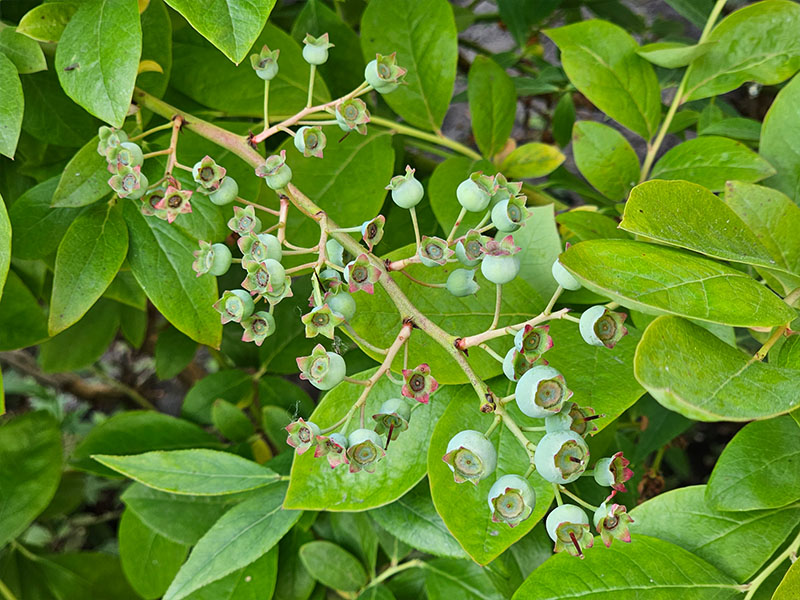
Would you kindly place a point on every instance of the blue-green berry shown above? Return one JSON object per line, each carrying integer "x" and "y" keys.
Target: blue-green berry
{"x": 470, "y": 456}
{"x": 564, "y": 278}
{"x": 602, "y": 327}
{"x": 257, "y": 327}
{"x": 561, "y": 457}
{"x": 275, "y": 171}
{"x": 541, "y": 392}
{"x": 321, "y": 368}
{"x": 364, "y": 451}
{"x": 335, "y": 252}
{"x": 310, "y": 141}
{"x": 315, "y": 50}
{"x": 383, "y": 74}
{"x": 342, "y": 303}
{"x": 234, "y": 305}
{"x": 226, "y": 193}
{"x": 212, "y": 258}
{"x": 461, "y": 282}
{"x": 475, "y": 192}
{"x": 406, "y": 191}
{"x": 508, "y": 215}
{"x": 500, "y": 269}
{"x": 265, "y": 63}
{"x": 568, "y": 526}
{"x": 511, "y": 500}
{"x": 515, "y": 364}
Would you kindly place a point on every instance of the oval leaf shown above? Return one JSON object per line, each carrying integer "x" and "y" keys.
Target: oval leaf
{"x": 532, "y": 160}
{"x": 333, "y": 566}
{"x": 85, "y": 178}
{"x": 492, "y": 104}
{"x": 5, "y": 244}
{"x": 657, "y": 280}
{"x": 605, "y": 158}
{"x": 196, "y": 472}
{"x": 46, "y": 22}
{"x": 12, "y": 104}
{"x": 780, "y": 140}
{"x": 21, "y": 319}
{"x": 673, "y": 55}
{"x": 733, "y": 386}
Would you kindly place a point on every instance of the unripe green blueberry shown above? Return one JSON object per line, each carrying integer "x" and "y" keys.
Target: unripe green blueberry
{"x": 602, "y": 327}
{"x": 406, "y": 191}
{"x": 392, "y": 417}
{"x": 461, "y": 282}
{"x": 383, "y": 74}
{"x": 134, "y": 152}
{"x": 561, "y": 457}
{"x": 508, "y": 215}
{"x": 365, "y": 449}
{"x": 335, "y": 252}
{"x": 234, "y": 305}
{"x": 302, "y": 435}
{"x": 257, "y": 327}
{"x": 515, "y": 364}
{"x": 511, "y": 500}
{"x": 265, "y": 63}
{"x": 472, "y": 196}
{"x": 221, "y": 259}
{"x": 226, "y": 193}
{"x": 564, "y": 278}
{"x": 568, "y": 526}
{"x": 566, "y": 513}
{"x": 321, "y": 368}
{"x": 342, "y": 303}
{"x": 613, "y": 472}
{"x": 315, "y": 50}
{"x": 470, "y": 456}
{"x": 500, "y": 269}
{"x": 310, "y": 141}
{"x": 541, "y": 392}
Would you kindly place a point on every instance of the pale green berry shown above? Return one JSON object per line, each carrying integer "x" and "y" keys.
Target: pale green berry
{"x": 564, "y": 278}
{"x": 461, "y": 282}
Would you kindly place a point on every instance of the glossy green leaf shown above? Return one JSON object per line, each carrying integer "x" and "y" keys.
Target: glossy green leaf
{"x": 752, "y": 472}
{"x": 231, "y": 25}
{"x": 196, "y": 472}
{"x": 295, "y": 583}
{"x": 711, "y": 161}
{"x": 85, "y": 178}
{"x": 230, "y": 421}
{"x": 315, "y": 486}
{"x": 492, "y": 104}
{"x": 687, "y": 215}
{"x": 673, "y": 55}
{"x": 161, "y": 260}
{"x": 25, "y": 53}
{"x": 12, "y": 104}
{"x": 242, "y": 535}
{"x": 5, "y": 244}
{"x": 174, "y": 351}
{"x": 600, "y": 60}
{"x": 368, "y": 160}
{"x": 423, "y": 33}
{"x": 30, "y": 468}
{"x": 531, "y": 160}
{"x": 563, "y": 120}
{"x": 180, "y": 518}
{"x": 376, "y": 592}
{"x": 149, "y": 560}
{"x": 156, "y": 46}
{"x": 674, "y": 353}
{"x": 790, "y": 585}
{"x": 84, "y": 342}
{"x": 88, "y": 258}
{"x": 736, "y": 128}
{"x": 134, "y": 432}
{"x": 645, "y": 568}
{"x": 463, "y": 507}
{"x": 281, "y": 392}
{"x": 253, "y": 582}
{"x": 590, "y": 225}
{"x": 779, "y": 141}
{"x": 21, "y": 319}
{"x": 97, "y": 75}
{"x": 605, "y": 158}
{"x": 377, "y": 319}
{"x": 736, "y": 543}
{"x": 231, "y": 385}
{"x": 755, "y": 43}
{"x": 46, "y": 22}
{"x": 446, "y": 579}
{"x": 333, "y": 566}
{"x": 540, "y": 245}
{"x": 125, "y": 290}
{"x": 658, "y": 280}
{"x": 203, "y": 74}
{"x": 442, "y": 187}
{"x": 414, "y": 520}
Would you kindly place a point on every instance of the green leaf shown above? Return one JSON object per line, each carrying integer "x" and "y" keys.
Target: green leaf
{"x": 659, "y": 280}
{"x": 156, "y": 46}
{"x": 85, "y": 178}
{"x": 30, "y": 468}
{"x": 12, "y": 105}
{"x": 446, "y": 579}
{"x": 695, "y": 11}
{"x": 295, "y": 583}
{"x": 21, "y": 319}
{"x": 752, "y": 472}
{"x": 46, "y": 23}
{"x": 5, "y": 244}
{"x": 736, "y": 543}
{"x": 88, "y": 258}
{"x": 174, "y": 351}
{"x": 790, "y": 585}
{"x": 25, "y": 53}
{"x": 253, "y": 582}
{"x": 711, "y": 161}
{"x": 600, "y": 60}
{"x": 280, "y": 392}
{"x": 770, "y": 54}
{"x": 605, "y": 158}
{"x": 423, "y": 33}
{"x": 367, "y": 160}
{"x": 442, "y": 187}
{"x": 590, "y": 225}
{"x": 149, "y": 560}
{"x": 203, "y": 74}
{"x": 161, "y": 260}
{"x": 97, "y": 74}
{"x": 182, "y": 519}
{"x": 315, "y": 486}
{"x": 779, "y": 141}
{"x": 531, "y": 160}
{"x": 463, "y": 507}
{"x": 377, "y": 592}
{"x": 333, "y": 566}
{"x": 38, "y": 228}
{"x": 492, "y": 104}
{"x": 540, "y": 245}
{"x": 736, "y": 128}
{"x": 82, "y": 343}
{"x": 563, "y": 120}
{"x": 413, "y": 520}
{"x": 125, "y": 290}
{"x": 645, "y": 568}
{"x": 733, "y": 387}
{"x": 242, "y": 535}
{"x": 134, "y": 432}
{"x": 231, "y": 25}
{"x": 673, "y": 55}
{"x": 356, "y": 533}
{"x": 232, "y": 385}
{"x": 196, "y": 472}
{"x": 231, "y": 422}
{"x": 687, "y": 215}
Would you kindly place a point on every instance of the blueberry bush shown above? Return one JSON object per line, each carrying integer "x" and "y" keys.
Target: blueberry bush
{"x": 399, "y": 299}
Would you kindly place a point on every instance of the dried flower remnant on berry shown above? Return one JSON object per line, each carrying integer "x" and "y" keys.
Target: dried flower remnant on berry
{"x": 419, "y": 383}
